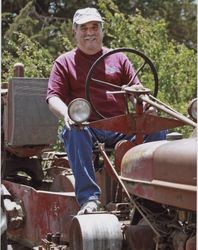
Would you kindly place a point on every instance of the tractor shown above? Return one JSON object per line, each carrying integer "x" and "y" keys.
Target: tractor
{"x": 148, "y": 196}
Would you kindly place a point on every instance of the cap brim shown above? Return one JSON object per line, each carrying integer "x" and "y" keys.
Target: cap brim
{"x": 89, "y": 19}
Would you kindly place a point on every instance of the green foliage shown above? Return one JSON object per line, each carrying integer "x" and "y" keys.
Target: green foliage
{"x": 35, "y": 40}
{"x": 180, "y": 16}
{"x": 51, "y": 33}
{"x": 56, "y": 38}
{"x": 36, "y": 59}
{"x": 23, "y": 23}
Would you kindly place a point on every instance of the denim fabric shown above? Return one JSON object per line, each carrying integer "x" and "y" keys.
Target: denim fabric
{"x": 79, "y": 144}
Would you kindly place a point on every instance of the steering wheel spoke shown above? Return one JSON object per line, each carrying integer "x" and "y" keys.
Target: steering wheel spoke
{"x": 106, "y": 83}
{"x": 140, "y": 68}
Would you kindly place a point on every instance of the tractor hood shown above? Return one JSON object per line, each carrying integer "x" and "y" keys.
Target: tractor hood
{"x": 163, "y": 171}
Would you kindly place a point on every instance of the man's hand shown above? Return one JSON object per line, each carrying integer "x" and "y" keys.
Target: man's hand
{"x": 148, "y": 108}
{"x": 59, "y": 108}
{"x": 151, "y": 110}
{"x": 68, "y": 122}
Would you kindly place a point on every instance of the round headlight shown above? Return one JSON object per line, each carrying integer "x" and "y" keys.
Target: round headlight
{"x": 192, "y": 109}
{"x": 79, "y": 110}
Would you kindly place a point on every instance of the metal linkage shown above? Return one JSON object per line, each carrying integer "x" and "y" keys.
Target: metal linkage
{"x": 167, "y": 109}
{"x": 109, "y": 165}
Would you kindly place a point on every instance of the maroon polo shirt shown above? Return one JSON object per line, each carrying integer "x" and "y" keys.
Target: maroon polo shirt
{"x": 68, "y": 77}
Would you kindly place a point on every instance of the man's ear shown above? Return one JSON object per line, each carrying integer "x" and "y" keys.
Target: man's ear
{"x": 73, "y": 32}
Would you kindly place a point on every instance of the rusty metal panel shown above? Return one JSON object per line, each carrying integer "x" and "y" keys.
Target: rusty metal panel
{"x": 45, "y": 212}
{"x": 137, "y": 163}
{"x": 141, "y": 124}
{"x": 29, "y": 120}
{"x": 163, "y": 171}
{"x": 176, "y": 162}
{"x": 180, "y": 196}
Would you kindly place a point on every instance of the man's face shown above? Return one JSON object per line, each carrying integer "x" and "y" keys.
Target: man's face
{"x": 89, "y": 37}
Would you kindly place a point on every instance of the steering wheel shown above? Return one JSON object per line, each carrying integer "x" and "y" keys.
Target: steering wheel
{"x": 90, "y": 80}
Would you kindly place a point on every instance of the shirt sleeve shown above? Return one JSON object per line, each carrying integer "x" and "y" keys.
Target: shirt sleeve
{"x": 58, "y": 84}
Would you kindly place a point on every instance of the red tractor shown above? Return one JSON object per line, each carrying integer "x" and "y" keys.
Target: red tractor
{"x": 148, "y": 190}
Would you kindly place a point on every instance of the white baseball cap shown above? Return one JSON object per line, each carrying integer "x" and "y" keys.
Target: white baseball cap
{"x": 86, "y": 15}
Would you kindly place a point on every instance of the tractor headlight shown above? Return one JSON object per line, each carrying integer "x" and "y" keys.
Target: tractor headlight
{"x": 192, "y": 109}
{"x": 79, "y": 110}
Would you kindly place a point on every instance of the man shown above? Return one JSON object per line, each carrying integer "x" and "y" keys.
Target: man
{"x": 67, "y": 82}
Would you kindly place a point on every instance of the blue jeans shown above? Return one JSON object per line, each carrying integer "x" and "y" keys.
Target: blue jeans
{"x": 79, "y": 144}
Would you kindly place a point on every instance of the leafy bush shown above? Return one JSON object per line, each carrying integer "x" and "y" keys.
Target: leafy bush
{"x": 36, "y": 59}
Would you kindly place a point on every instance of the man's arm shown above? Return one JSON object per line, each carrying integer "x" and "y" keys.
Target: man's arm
{"x": 59, "y": 109}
